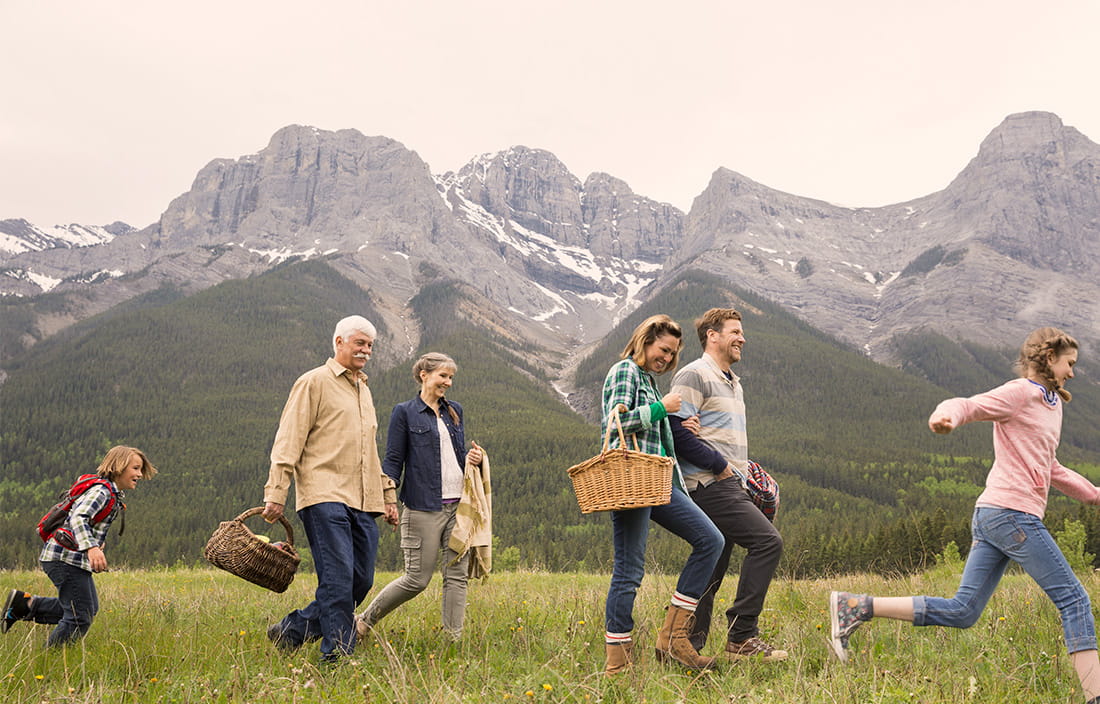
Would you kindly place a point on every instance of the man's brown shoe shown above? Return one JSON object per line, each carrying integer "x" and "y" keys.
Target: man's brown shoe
{"x": 756, "y": 649}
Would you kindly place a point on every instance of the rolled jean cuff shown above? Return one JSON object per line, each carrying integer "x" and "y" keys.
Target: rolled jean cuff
{"x": 919, "y": 611}
{"x": 1080, "y": 645}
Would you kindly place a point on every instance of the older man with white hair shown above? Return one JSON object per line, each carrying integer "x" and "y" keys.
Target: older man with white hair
{"x": 326, "y": 444}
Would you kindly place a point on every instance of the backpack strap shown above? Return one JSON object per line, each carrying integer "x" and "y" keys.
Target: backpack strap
{"x": 87, "y": 481}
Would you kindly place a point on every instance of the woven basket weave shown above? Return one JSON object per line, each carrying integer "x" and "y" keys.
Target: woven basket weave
{"x": 620, "y": 478}
{"x": 237, "y": 550}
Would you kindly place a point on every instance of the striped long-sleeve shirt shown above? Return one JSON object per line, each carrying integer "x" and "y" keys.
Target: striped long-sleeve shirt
{"x": 720, "y": 404}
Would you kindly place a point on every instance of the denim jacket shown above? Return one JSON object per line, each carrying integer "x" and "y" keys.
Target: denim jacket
{"x": 412, "y": 448}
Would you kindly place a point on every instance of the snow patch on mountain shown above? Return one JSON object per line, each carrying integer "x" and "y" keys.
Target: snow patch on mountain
{"x": 48, "y": 283}
{"x": 278, "y": 256}
{"x": 632, "y": 275}
{"x": 18, "y": 236}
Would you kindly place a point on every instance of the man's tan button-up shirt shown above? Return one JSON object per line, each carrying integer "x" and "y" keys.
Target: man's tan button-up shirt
{"x": 326, "y": 442}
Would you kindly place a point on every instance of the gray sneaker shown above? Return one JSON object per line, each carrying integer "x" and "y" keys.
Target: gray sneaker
{"x": 846, "y": 612}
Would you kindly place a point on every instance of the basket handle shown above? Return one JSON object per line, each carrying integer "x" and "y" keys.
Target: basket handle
{"x": 282, "y": 519}
{"x": 618, "y": 424}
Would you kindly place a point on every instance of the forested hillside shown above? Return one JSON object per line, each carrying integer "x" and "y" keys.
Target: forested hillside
{"x": 199, "y": 383}
{"x": 864, "y": 483}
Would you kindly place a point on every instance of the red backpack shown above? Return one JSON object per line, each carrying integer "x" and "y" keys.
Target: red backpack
{"x": 51, "y": 525}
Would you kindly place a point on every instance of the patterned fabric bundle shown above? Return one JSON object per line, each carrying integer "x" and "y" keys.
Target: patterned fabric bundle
{"x": 762, "y": 489}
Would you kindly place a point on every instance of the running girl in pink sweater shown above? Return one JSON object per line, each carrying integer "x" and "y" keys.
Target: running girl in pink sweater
{"x": 1007, "y": 523}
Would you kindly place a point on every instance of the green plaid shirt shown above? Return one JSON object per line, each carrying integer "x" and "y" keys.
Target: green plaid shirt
{"x": 629, "y": 385}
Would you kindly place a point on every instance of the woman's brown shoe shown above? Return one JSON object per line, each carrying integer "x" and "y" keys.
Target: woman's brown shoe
{"x": 673, "y": 642}
{"x": 620, "y": 657}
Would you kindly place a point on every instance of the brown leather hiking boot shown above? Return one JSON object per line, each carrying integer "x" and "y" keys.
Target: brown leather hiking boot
{"x": 620, "y": 657}
{"x": 756, "y": 649}
{"x": 673, "y": 642}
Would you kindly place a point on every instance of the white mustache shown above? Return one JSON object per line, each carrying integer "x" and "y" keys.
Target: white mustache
{"x": 362, "y": 355}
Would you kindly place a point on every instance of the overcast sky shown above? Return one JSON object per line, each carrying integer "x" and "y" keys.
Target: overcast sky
{"x": 108, "y": 109}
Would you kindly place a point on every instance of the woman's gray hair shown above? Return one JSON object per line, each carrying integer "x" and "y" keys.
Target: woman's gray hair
{"x": 352, "y": 324}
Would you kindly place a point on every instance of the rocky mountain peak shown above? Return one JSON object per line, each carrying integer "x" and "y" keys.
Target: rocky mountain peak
{"x": 306, "y": 182}
{"x": 622, "y": 224}
{"x": 1005, "y": 246}
{"x": 530, "y": 187}
{"x": 1033, "y": 193}
{"x": 18, "y": 236}
{"x": 1027, "y": 133}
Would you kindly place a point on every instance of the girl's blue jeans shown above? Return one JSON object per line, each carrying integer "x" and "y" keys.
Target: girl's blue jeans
{"x": 1001, "y": 535}
{"x": 631, "y": 530}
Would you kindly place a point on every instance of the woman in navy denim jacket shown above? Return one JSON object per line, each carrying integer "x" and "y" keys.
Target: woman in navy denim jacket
{"x": 426, "y": 456}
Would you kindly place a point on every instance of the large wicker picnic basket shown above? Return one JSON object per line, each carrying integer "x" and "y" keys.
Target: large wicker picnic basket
{"x": 620, "y": 478}
{"x": 236, "y": 549}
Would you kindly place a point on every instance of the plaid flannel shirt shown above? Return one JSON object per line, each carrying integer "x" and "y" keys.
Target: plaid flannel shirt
{"x": 87, "y": 534}
{"x": 629, "y": 385}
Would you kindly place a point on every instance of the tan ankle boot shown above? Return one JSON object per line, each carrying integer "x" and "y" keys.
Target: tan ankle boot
{"x": 620, "y": 657}
{"x": 673, "y": 642}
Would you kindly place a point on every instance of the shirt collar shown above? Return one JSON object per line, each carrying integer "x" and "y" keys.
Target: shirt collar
{"x": 718, "y": 370}
{"x": 338, "y": 369}
{"x": 425, "y": 407}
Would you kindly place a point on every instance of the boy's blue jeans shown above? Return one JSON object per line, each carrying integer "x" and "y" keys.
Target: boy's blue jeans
{"x": 1001, "y": 535}
{"x": 631, "y": 530}
{"x": 74, "y": 607}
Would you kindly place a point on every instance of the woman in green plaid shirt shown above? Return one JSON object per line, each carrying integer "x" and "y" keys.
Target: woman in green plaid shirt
{"x": 654, "y": 348}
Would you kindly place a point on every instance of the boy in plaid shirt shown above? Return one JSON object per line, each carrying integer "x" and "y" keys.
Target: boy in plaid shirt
{"x": 70, "y": 570}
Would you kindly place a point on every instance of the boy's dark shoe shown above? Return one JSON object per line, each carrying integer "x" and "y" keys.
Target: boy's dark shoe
{"x": 16, "y": 608}
{"x": 276, "y": 635}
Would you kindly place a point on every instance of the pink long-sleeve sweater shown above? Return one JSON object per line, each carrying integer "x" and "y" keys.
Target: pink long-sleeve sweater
{"x": 1026, "y": 431}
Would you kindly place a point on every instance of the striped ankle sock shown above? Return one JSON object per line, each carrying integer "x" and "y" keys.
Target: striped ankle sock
{"x": 616, "y": 638}
{"x": 684, "y": 602}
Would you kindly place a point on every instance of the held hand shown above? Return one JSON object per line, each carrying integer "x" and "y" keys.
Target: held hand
{"x": 476, "y": 454}
{"x": 272, "y": 512}
{"x": 97, "y": 559}
{"x": 391, "y": 515}
{"x": 671, "y": 403}
{"x": 941, "y": 425}
{"x": 691, "y": 424}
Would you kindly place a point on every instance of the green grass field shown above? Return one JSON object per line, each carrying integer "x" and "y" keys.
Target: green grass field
{"x": 198, "y": 635}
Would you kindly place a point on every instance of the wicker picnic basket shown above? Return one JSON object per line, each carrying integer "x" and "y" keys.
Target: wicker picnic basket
{"x": 237, "y": 550}
{"x": 620, "y": 478}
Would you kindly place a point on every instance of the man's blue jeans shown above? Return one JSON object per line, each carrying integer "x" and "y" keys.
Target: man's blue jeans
{"x": 344, "y": 543}
{"x": 631, "y": 530}
{"x": 74, "y": 607}
{"x": 1000, "y": 535}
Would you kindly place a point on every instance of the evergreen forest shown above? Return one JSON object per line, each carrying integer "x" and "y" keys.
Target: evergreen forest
{"x": 199, "y": 382}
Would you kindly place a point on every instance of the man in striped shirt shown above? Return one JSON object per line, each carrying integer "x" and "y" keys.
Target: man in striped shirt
{"x": 713, "y": 462}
